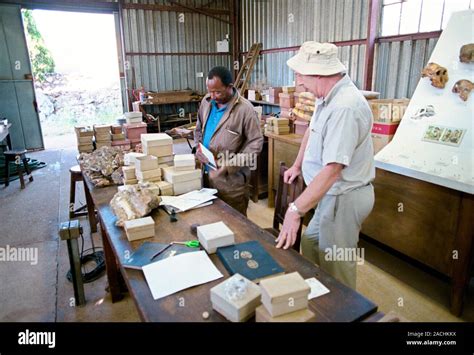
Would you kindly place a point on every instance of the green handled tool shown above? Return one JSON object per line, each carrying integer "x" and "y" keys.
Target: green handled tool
{"x": 189, "y": 244}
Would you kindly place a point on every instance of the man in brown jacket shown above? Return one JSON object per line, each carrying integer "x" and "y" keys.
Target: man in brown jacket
{"x": 228, "y": 126}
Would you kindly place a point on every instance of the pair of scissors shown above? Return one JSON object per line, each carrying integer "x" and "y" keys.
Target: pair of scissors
{"x": 189, "y": 244}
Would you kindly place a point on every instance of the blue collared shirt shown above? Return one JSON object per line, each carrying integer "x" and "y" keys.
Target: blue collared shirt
{"x": 214, "y": 118}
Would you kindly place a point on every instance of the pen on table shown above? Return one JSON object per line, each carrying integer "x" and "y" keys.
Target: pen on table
{"x": 161, "y": 251}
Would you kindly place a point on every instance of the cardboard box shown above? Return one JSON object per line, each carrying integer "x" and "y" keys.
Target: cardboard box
{"x": 180, "y": 188}
{"x": 174, "y": 176}
{"x": 140, "y": 228}
{"x": 236, "y": 309}
{"x": 215, "y": 235}
{"x": 284, "y": 294}
{"x": 301, "y": 316}
{"x": 380, "y": 141}
{"x": 148, "y": 162}
{"x": 388, "y": 110}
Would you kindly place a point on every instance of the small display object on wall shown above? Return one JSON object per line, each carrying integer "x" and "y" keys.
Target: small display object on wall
{"x": 435, "y": 141}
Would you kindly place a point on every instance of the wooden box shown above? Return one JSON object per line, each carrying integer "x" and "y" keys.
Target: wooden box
{"x": 183, "y": 187}
{"x": 301, "y": 127}
{"x": 236, "y": 309}
{"x": 275, "y": 91}
{"x": 156, "y": 140}
{"x": 129, "y": 172}
{"x": 284, "y": 294}
{"x": 148, "y": 162}
{"x": 159, "y": 151}
{"x": 133, "y": 117}
{"x": 215, "y": 235}
{"x": 254, "y": 95}
{"x": 149, "y": 175}
{"x": 289, "y": 89}
{"x": 166, "y": 189}
{"x": 130, "y": 158}
{"x": 287, "y": 100}
{"x": 166, "y": 159}
{"x": 140, "y": 228}
{"x": 301, "y": 316}
{"x": 174, "y": 176}
{"x": 133, "y": 131}
{"x": 183, "y": 162}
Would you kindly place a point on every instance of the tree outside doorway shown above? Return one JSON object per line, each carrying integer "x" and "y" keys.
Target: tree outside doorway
{"x": 75, "y": 69}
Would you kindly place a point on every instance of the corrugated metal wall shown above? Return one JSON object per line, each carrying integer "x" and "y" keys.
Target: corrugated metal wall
{"x": 287, "y": 23}
{"x": 147, "y": 31}
{"x": 399, "y": 65}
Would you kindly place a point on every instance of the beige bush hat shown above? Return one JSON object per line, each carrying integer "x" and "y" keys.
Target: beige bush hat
{"x": 316, "y": 58}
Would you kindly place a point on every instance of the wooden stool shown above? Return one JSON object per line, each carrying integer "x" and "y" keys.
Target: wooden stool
{"x": 16, "y": 156}
{"x": 76, "y": 176}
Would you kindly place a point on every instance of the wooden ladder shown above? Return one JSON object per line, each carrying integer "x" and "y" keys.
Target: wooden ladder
{"x": 245, "y": 72}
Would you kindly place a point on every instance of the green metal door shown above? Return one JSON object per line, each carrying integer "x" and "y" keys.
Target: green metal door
{"x": 17, "y": 96}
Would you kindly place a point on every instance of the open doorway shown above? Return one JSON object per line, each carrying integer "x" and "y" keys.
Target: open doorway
{"x": 75, "y": 67}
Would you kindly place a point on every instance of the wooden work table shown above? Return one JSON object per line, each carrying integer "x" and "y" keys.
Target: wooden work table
{"x": 342, "y": 304}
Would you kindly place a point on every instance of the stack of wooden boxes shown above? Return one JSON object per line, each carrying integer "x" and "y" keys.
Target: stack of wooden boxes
{"x": 133, "y": 132}
{"x": 274, "y": 93}
{"x": 287, "y": 98}
{"x": 387, "y": 116}
{"x": 303, "y": 111}
{"x": 183, "y": 181}
{"x": 147, "y": 169}
{"x": 281, "y": 126}
{"x": 129, "y": 176}
{"x": 284, "y": 299}
{"x": 118, "y": 138}
{"x": 103, "y": 137}
{"x": 159, "y": 145}
{"x": 84, "y": 137}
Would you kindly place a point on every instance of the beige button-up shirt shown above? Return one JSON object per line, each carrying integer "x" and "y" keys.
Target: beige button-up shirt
{"x": 340, "y": 132}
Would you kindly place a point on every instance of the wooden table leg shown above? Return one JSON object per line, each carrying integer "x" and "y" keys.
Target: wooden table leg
{"x": 271, "y": 194}
{"x": 463, "y": 253}
{"x": 113, "y": 273}
{"x": 90, "y": 209}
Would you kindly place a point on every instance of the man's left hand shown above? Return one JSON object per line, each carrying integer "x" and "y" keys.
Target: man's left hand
{"x": 289, "y": 230}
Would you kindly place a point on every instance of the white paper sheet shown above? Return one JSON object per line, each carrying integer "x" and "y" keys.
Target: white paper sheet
{"x": 317, "y": 288}
{"x": 190, "y": 200}
{"x": 180, "y": 272}
{"x": 208, "y": 154}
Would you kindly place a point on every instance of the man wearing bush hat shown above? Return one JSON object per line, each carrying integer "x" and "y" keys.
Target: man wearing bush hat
{"x": 336, "y": 161}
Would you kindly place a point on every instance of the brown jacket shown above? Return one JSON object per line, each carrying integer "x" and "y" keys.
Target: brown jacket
{"x": 237, "y": 132}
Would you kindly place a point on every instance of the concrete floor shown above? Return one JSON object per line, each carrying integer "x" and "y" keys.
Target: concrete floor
{"x": 41, "y": 292}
